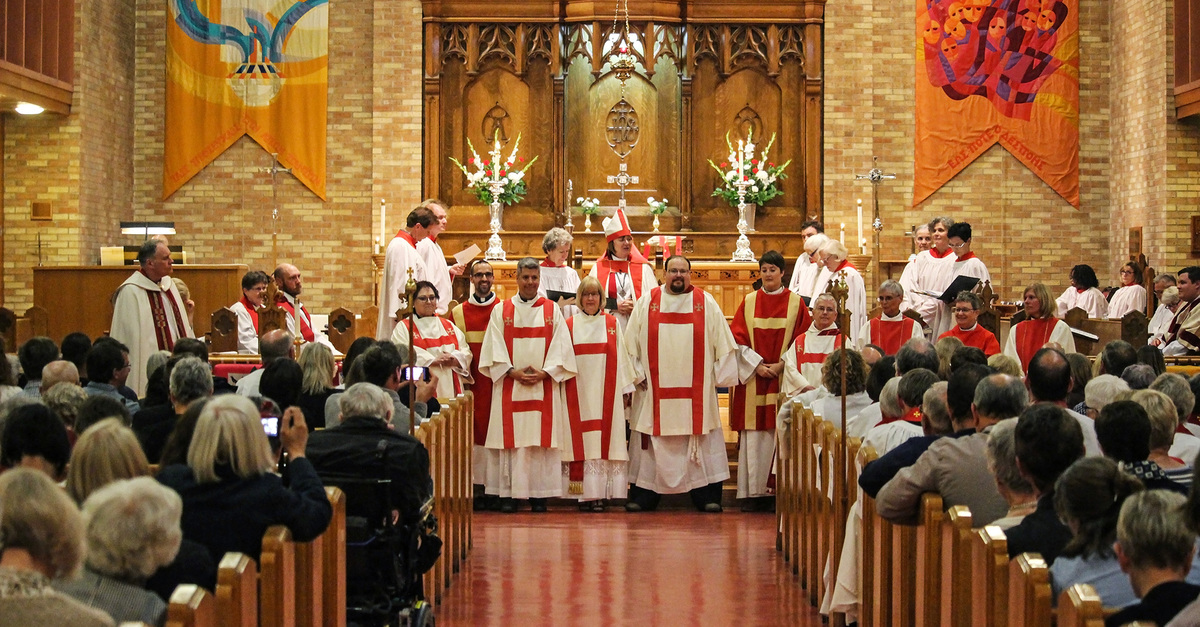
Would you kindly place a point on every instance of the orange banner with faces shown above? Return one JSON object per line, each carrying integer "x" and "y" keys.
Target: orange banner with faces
{"x": 993, "y": 71}
{"x": 246, "y": 67}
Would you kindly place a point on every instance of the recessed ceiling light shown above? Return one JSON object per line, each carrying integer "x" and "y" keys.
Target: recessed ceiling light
{"x": 25, "y": 108}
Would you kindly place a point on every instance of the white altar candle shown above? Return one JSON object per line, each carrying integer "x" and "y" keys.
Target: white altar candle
{"x": 843, "y": 235}
{"x": 860, "y": 237}
{"x": 382, "y": 221}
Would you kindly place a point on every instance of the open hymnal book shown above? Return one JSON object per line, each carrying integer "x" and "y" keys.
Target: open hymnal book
{"x": 959, "y": 284}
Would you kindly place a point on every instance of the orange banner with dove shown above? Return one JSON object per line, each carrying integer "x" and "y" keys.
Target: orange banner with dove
{"x": 993, "y": 71}
{"x": 246, "y": 67}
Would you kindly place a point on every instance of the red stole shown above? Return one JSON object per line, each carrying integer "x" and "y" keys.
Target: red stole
{"x": 769, "y": 341}
{"x": 692, "y": 392}
{"x": 472, "y": 318}
{"x": 890, "y": 335}
{"x": 1032, "y": 334}
{"x": 428, "y": 343}
{"x": 912, "y": 416}
{"x": 816, "y": 358}
{"x": 302, "y": 320}
{"x": 604, "y": 266}
{"x": 544, "y": 405}
{"x": 158, "y": 314}
{"x": 251, "y": 309}
{"x": 404, "y": 235}
{"x": 604, "y": 424}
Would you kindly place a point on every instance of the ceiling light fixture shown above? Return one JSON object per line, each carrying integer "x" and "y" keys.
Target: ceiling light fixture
{"x": 25, "y": 108}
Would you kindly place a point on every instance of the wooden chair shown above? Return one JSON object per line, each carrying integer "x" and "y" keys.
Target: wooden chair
{"x": 277, "y": 595}
{"x": 223, "y": 338}
{"x": 873, "y": 590}
{"x": 1080, "y": 606}
{"x": 367, "y": 322}
{"x": 191, "y": 606}
{"x": 1028, "y": 591}
{"x": 342, "y": 329}
{"x": 989, "y": 578}
{"x": 333, "y": 562}
{"x": 237, "y": 590}
{"x": 1020, "y": 316}
{"x": 956, "y": 568}
{"x": 35, "y": 323}
{"x": 989, "y": 317}
{"x": 929, "y": 558}
{"x": 1135, "y": 328}
{"x": 272, "y": 317}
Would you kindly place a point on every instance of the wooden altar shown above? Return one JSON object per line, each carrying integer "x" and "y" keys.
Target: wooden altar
{"x": 704, "y": 69}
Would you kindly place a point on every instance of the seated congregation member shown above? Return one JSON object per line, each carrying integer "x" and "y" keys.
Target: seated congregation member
{"x": 1116, "y": 356}
{"x": 108, "y": 368}
{"x": 964, "y": 355}
{"x": 199, "y": 350}
{"x": 1185, "y": 446}
{"x": 75, "y": 347}
{"x": 281, "y": 383}
{"x": 65, "y": 401}
{"x": 382, "y": 365}
{"x": 1005, "y": 364}
{"x": 966, "y": 327}
{"x": 837, "y": 262}
{"x": 945, "y": 348}
{"x": 230, "y": 494}
{"x": 1049, "y": 381}
{"x": 318, "y": 371}
{"x": 354, "y": 447}
{"x": 871, "y": 354}
{"x": 596, "y": 454}
{"x": 273, "y": 345}
{"x": 437, "y": 343}
{"x": 1038, "y": 329}
{"x": 1098, "y": 393}
{"x": 97, "y": 408}
{"x": 254, "y": 293}
{"x": 1183, "y": 333}
{"x": 1084, "y": 293}
{"x": 1163, "y": 425}
{"x": 858, "y": 424}
{"x": 1048, "y": 441}
{"x": 33, "y": 437}
{"x": 132, "y": 530}
{"x": 830, "y": 407}
{"x": 917, "y": 353}
{"x": 1139, "y": 376}
{"x": 1123, "y": 428}
{"x": 1155, "y": 547}
{"x": 108, "y": 452}
{"x": 43, "y": 540}
{"x": 1088, "y": 498}
{"x": 1168, "y": 304}
{"x": 955, "y": 466}
{"x": 1081, "y": 373}
{"x": 891, "y": 329}
{"x": 158, "y": 382}
{"x": 809, "y": 267}
{"x": 924, "y": 422}
{"x": 557, "y": 273}
{"x": 1002, "y": 462}
{"x": 8, "y": 375}
{"x": 1131, "y": 296}
{"x": 59, "y": 371}
{"x": 803, "y": 360}
{"x": 1152, "y": 357}
{"x": 191, "y": 381}
{"x": 33, "y": 355}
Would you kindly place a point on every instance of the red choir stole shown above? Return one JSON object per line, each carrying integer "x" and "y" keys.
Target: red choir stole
{"x": 574, "y": 449}
{"x": 303, "y": 320}
{"x": 692, "y": 392}
{"x": 473, "y": 319}
{"x": 816, "y": 358}
{"x": 544, "y": 405}
{"x": 1032, "y": 334}
{"x": 158, "y": 314}
{"x": 430, "y": 343}
{"x": 251, "y": 309}
{"x": 890, "y": 335}
{"x": 912, "y": 416}
{"x": 768, "y": 324}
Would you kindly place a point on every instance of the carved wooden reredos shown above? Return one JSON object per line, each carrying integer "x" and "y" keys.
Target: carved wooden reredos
{"x": 704, "y": 68}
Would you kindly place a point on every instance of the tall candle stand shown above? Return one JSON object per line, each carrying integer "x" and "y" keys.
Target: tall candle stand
{"x": 495, "y": 249}
{"x": 742, "y": 252}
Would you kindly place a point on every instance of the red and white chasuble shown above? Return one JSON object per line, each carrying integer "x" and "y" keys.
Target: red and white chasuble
{"x": 434, "y": 337}
{"x": 767, "y": 323}
{"x": 1030, "y": 335}
{"x": 977, "y": 337}
{"x": 805, "y": 359}
{"x": 889, "y": 333}
{"x": 594, "y": 396}
{"x": 472, "y": 319}
{"x": 401, "y": 255}
{"x": 147, "y": 317}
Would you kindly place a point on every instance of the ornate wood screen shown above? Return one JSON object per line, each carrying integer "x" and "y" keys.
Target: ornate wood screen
{"x": 704, "y": 69}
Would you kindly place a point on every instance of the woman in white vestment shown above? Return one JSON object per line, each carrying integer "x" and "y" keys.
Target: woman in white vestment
{"x": 595, "y": 454}
{"x": 808, "y": 267}
{"x": 837, "y": 261}
{"x": 1039, "y": 328}
{"x": 1084, "y": 293}
{"x": 557, "y": 274}
{"x": 1167, "y": 306}
{"x": 254, "y": 289}
{"x": 440, "y": 346}
{"x": 1131, "y": 296}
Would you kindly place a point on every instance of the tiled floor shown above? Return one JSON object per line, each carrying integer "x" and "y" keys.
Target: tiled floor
{"x": 664, "y": 568}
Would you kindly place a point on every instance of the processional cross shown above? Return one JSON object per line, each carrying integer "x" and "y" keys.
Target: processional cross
{"x": 876, "y": 176}
{"x": 623, "y": 179}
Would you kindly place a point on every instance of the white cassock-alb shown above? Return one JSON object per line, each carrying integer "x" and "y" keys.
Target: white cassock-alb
{"x": 401, "y": 255}
{"x": 1090, "y": 300}
{"x": 856, "y": 297}
{"x": 595, "y": 453}
{"x": 434, "y": 337}
{"x": 524, "y": 460}
{"x": 1126, "y": 299}
{"x": 1159, "y": 323}
{"x": 308, "y": 331}
{"x": 933, "y": 273}
{"x": 147, "y": 317}
{"x": 247, "y": 319}
{"x": 682, "y": 350}
{"x": 804, "y": 360}
{"x": 436, "y": 271}
{"x": 559, "y": 279}
{"x": 804, "y": 276}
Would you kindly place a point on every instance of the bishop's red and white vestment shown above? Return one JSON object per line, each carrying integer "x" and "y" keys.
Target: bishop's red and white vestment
{"x": 624, "y": 279}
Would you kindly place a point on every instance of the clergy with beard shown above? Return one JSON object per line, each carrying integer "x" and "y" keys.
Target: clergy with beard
{"x": 891, "y": 329}
{"x": 401, "y": 256}
{"x": 966, "y": 326}
{"x": 472, "y": 319}
{"x": 766, "y": 323}
{"x": 623, "y": 272}
{"x": 148, "y": 314}
{"x": 678, "y": 444}
{"x": 299, "y": 321}
{"x": 933, "y": 271}
{"x": 527, "y": 354}
{"x": 1183, "y": 334}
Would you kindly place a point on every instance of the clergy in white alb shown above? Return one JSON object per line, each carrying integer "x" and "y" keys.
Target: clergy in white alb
{"x": 933, "y": 271}
{"x": 148, "y": 313}
{"x": 595, "y": 453}
{"x": 1168, "y": 304}
{"x": 908, "y": 277}
{"x": 1040, "y": 327}
{"x": 437, "y": 271}
{"x": 299, "y": 320}
{"x": 527, "y": 354}
{"x": 891, "y": 329}
{"x": 1084, "y": 293}
{"x": 838, "y": 266}
{"x": 1183, "y": 333}
{"x": 804, "y": 359}
{"x": 1131, "y": 296}
{"x": 254, "y": 291}
{"x": 472, "y": 318}
{"x": 766, "y": 323}
{"x": 437, "y": 343}
{"x": 557, "y": 274}
{"x": 808, "y": 267}
{"x": 401, "y": 257}
{"x": 623, "y": 272}
{"x": 682, "y": 350}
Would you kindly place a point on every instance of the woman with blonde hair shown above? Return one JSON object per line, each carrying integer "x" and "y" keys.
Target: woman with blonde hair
{"x": 1039, "y": 328}
{"x": 106, "y": 452}
{"x": 318, "y": 376}
{"x": 1163, "y": 423}
{"x": 945, "y": 348}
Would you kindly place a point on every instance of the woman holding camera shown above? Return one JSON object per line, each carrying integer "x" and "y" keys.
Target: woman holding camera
{"x": 438, "y": 344}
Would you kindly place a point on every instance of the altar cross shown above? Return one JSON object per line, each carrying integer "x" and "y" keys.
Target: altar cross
{"x": 876, "y": 176}
{"x": 623, "y": 179}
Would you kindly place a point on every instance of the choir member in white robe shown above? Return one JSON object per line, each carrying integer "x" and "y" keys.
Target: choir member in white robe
{"x": 965, "y": 261}
{"x": 804, "y": 360}
{"x": 595, "y": 452}
{"x": 148, "y": 312}
{"x": 678, "y": 443}
{"x": 557, "y": 274}
{"x": 765, "y": 325}
{"x": 837, "y": 264}
{"x": 437, "y": 271}
{"x": 625, "y": 274}
{"x": 299, "y": 320}
{"x": 932, "y": 274}
{"x": 808, "y": 267}
{"x": 1131, "y": 296}
{"x": 437, "y": 343}
{"x": 401, "y": 256}
{"x": 1183, "y": 334}
{"x": 1084, "y": 293}
{"x": 254, "y": 291}
{"x": 527, "y": 354}
{"x": 892, "y": 328}
{"x": 1168, "y": 304}
{"x": 908, "y": 277}
{"x": 472, "y": 318}
{"x": 1039, "y": 328}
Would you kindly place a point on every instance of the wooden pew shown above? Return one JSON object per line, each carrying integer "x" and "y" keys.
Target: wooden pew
{"x": 873, "y": 590}
{"x": 845, "y": 496}
{"x": 956, "y": 568}
{"x": 1028, "y": 591}
{"x": 784, "y": 491}
{"x": 277, "y": 595}
{"x": 333, "y": 562}
{"x": 191, "y": 606}
{"x": 237, "y": 591}
{"x": 810, "y": 508}
{"x": 309, "y": 582}
{"x": 826, "y": 473}
{"x": 929, "y": 559}
{"x": 989, "y": 577}
{"x": 467, "y": 453}
{"x": 903, "y": 574}
{"x": 1132, "y": 327}
{"x": 35, "y": 323}
{"x": 1080, "y": 606}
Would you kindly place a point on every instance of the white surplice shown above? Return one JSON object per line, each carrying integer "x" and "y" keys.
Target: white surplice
{"x": 797, "y": 375}
{"x": 560, "y": 279}
{"x": 934, "y": 275}
{"x": 247, "y": 343}
{"x": 436, "y": 271}
{"x": 401, "y": 255}
{"x": 856, "y": 297}
{"x": 1090, "y": 300}
{"x": 133, "y": 322}
{"x": 435, "y": 341}
{"x": 1126, "y": 299}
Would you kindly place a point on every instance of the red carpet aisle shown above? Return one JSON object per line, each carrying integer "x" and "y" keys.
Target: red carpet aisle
{"x": 667, "y": 568}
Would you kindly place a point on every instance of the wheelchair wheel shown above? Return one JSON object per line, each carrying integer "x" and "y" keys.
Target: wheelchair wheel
{"x": 419, "y": 615}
